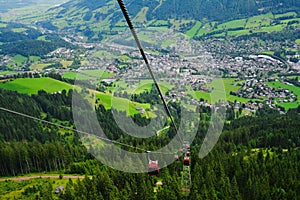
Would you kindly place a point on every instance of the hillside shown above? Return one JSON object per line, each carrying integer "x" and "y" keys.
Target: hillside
{"x": 97, "y": 19}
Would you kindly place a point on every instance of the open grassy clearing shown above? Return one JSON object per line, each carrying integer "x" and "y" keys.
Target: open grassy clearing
{"x": 122, "y": 104}
{"x": 88, "y": 74}
{"x": 255, "y": 24}
{"x": 160, "y": 23}
{"x": 34, "y": 58}
{"x": 240, "y": 23}
{"x": 33, "y": 85}
{"x": 297, "y": 41}
{"x": 7, "y": 72}
{"x": 19, "y": 30}
{"x": 13, "y": 189}
{"x": 239, "y": 32}
{"x": 141, "y": 16}
{"x": 288, "y": 14}
{"x": 19, "y": 59}
{"x": 66, "y": 63}
{"x": 168, "y": 42}
{"x": 142, "y": 86}
{"x": 278, "y": 84}
{"x": 269, "y": 29}
{"x": 2, "y": 25}
{"x": 221, "y": 90}
{"x": 74, "y": 75}
{"x": 292, "y": 88}
{"x": 192, "y": 32}
{"x": 39, "y": 67}
{"x": 103, "y": 54}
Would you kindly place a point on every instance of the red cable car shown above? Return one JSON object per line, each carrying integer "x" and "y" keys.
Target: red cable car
{"x": 186, "y": 161}
{"x": 153, "y": 168}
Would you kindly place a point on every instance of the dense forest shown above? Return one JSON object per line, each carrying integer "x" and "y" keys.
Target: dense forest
{"x": 255, "y": 158}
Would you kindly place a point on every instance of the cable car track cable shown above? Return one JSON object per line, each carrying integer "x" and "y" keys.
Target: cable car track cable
{"x": 132, "y": 29}
{"x": 78, "y": 131}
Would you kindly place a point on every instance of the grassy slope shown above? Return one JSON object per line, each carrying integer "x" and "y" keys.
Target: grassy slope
{"x": 294, "y": 89}
{"x": 255, "y": 24}
{"x": 33, "y": 85}
{"x": 222, "y": 88}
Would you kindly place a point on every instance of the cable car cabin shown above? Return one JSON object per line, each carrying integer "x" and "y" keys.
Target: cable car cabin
{"x": 188, "y": 153}
{"x": 176, "y": 157}
{"x": 186, "y": 161}
{"x": 153, "y": 167}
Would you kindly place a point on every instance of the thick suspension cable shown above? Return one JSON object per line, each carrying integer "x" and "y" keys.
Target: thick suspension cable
{"x": 130, "y": 24}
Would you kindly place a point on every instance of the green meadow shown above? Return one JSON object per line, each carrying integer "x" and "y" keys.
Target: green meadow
{"x": 11, "y": 189}
{"x": 142, "y": 86}
{"x": 33, "y": 85}
{"x": 87, "y": 74}
{"x": 221, "y": 91}
{"x": 122, "y": 104}
{"x": 39, "y": 66}
{"x": 254, "y": 24}
{"x": 192, "y": 32}
{"x": 295, "y": 90}
{"x": 19, "y": 59}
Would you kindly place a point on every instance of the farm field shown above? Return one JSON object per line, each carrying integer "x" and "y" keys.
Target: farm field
{"x": 292, "y": 88}
{"x": 87, "y": 74}
{"x": 7, "y": 72}
{"x": 142, "y": 86}
{"x": 19, "y": 59}
{"x": 11, "y": 188}
{"x": 39, "y": 67}
{"x": 122, "y": 104}
{"x": 221, "y": 89}
{"x": 33, "y": 85}
{"x": 255, "y": 24}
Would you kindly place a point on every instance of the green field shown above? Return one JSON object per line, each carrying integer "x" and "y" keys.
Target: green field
{"x": 12, "y": 189}
{"x": 288, "y": 14}
{"x": 88, "y": 74}
{"x": 297, "y": 41}
{"x": 192, "y": 32}
{"x": 221, "y": 89}
{"x": 19, "y": 30}
{"x": 66, "y": 63}
{"x": 254, "y": 24}
{"x": 240, "y": 23}
{"x": 292, "y": 88}
{"x": 278, "y": 84}
{"x": 33, "y": 85}
{"x": 19, "y": 59}
{"x": 122, "y": 104}
{"x": 2, "y": 25}
{"x": 34, "y": 58}
{"x": 7, "y": 72}
{"x": 142, "y": 86}
{"x": 39, "y": 67}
